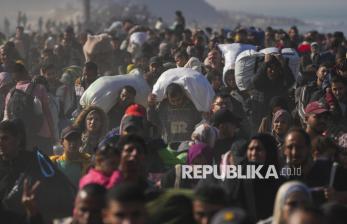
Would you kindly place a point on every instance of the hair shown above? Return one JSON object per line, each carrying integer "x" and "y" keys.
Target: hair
{"x": 132, "y": 139}
{"x": 303, "y": 133}
{"x": 282, "y": 194}
{"x": 212, "y": 74}
{"x": 16, "y": 128}
{"x": 130, "y": 90}
{"x": 46, "y": 67}
{"x": 80, "y": 121}
{"x": 278, "y": 101}
{"x": 181, "y": 54}
{"x": 42, "y": 81}
{"x": 174, "y": 90}
{"x": 210, "y": 193}
{"x": 322, "y": 144}
{"x": 270, "y": 145}
{"x": 94, "y": 190}
{"x": 339, "y": 79}
{"x": 19, "y": 68}
{"x": 125, "y": 193}
{"x": 106, "y": 151}
{"x": 91, "y": 66}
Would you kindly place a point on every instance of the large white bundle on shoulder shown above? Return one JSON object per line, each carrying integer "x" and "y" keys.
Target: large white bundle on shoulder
{"x": 247, "y": 64}
{"x": 270, "y": 50}
{"x": 231, "y": 51}
{"x": 105, "y": 90}
{"x": 293, "y": 59}
{"x": 97, "y": 44}
{"x": 195, "y": 84}
{"x": 138, "y": 38}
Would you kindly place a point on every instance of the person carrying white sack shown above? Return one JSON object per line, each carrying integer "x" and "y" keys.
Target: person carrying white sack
{"x": 175, "y": 116}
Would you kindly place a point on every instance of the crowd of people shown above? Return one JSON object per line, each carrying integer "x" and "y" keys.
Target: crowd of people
{"x": 63, "y": 162}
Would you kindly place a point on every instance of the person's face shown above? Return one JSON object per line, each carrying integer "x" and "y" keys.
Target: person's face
{"x": 280, "y": 126}
{"x": 50, "y": 75}
{"x": 176, "y": 101}
{"x": 295, "y": 149}
{"x": 322, "y": 73}
{"x": 230, "y": 81}
{"x": 110, "y": 164}
{"x": 180, "y": 61}
{"x": 19, "y": 32}
{"x": 90, "y": 74}
{"x": 124, "y": 213}
{"x": 339, "y": 90}
{"x": 9, "y": 145}
{"x": 317, "y": 122}
{"x": 5, "y": 57}
{"x": 256, "y": 152}
{"x": 132, "y": 157}
{"x": 125, "y": 96}
{"x": 216, "y": 82}
{"x": 72, "y": 144}
{"x": 203, "y": 212}
{"x": 272, "y": 72}
{"x": 227, "y": 130}
{"x": 214, "y": 57}
{"x": 87, "y": 209}
{"x": 291, "y": 33}
{"x": 293, "y": 201}
{"x": 220, "y": 103}
{"x": 68, "y": 37}
{"x": 93, "y": 122}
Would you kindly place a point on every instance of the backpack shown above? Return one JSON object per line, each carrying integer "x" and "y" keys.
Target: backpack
{"x": 22, "y": 105}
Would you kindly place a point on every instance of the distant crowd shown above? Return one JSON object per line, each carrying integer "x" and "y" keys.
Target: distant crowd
{"x": 97, "y": 127}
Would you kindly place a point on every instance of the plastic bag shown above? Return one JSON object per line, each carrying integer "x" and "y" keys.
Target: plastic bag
{"x": 104, "y": 91}
{"x": 196, "y": 86}
{"x": 231, "y": 51}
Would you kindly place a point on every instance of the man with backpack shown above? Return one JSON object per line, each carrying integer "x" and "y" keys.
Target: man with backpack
{"x": 29, "y": 102}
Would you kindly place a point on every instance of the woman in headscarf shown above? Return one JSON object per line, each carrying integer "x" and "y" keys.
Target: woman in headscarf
{"x": 256, "y": 195}
{"x": 205, "y": 133}
{"x": 92, "y": 122}
{"x": 291, "y": 195}
{"x": 281, "y": 122}
{"x": 276, "y": 103}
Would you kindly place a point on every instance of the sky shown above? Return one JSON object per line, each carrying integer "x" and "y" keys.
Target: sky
{"x": 326, "y": 12}
{"x": 301, "y": 9}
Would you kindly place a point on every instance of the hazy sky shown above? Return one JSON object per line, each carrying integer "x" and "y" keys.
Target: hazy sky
{"x": 303, "y": 9}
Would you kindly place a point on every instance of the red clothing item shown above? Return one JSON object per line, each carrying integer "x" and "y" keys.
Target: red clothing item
{"x": 97, "y": 177}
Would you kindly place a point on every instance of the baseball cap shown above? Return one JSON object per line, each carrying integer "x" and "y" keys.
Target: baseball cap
{"x": 155, "y": 60}
{"x": 315, "y": 107}
{"x": 230, "y": 216}
{"x": 136, "y": 110}
{"x": 69, "y": 131}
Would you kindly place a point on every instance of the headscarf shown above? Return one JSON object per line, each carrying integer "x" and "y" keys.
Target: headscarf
{"x": 282, "y": 195}
{"x": 282, "y": 114}
{"x": 197, "y": 150}
{"x": 205, "y": 133}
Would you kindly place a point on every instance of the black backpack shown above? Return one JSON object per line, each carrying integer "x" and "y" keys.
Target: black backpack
{"x": 21, "y": 106}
